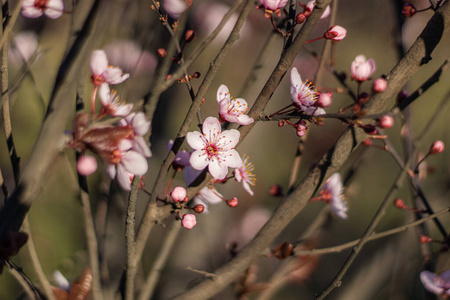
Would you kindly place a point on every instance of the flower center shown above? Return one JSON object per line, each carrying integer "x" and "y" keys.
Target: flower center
{"x": 211, "y": 150}
{"x": 41, "y": 4}
{"x": 96, "y": 80}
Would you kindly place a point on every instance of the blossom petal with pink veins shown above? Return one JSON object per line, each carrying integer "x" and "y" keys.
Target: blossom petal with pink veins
{"x": 247, "y": 188}
{"x": 141, "y": 146}
{"x": 309, "y": 110}
{"x": 125, "y": 145}
{"x": 210, "y": 196}
{"x": 140, "y": 124}
{"x": 218, "y": 170}
{"x": 222, "y": 93}
{"x": 429, "y": 282}
{"x": 115, "y": 75}
{"x": 55, "y": 9}
{"x": 134, "y": 162}
{"x": 244, "y": 120}
{"x": 211, "y": 124}
{"x": 229, "y": 138}
{"x": 233, "y": 159}
{"x": 196, "y": 140}
{"x": 98, "y": 62}
{"x": 122, "y": 110}
{"x": 104, "y": 93}
{"x": 30, "y": 11}
{"x": 124, "y": 177}
{"x": 199, "y": 160}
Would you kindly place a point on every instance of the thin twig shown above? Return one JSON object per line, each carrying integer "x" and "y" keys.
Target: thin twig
{"x": 31, "y": 291}
{"x": 10, "y": 22}
{"x": 130, "y": 225}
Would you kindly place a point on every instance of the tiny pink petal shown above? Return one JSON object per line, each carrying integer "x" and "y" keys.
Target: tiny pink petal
{"x": 55, "y": 9}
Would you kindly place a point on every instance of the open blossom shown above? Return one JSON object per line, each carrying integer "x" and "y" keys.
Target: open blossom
{"x": 361, "y": 68}
{"x": 335, "y": 33}
{"x": 126, "y": 163}
{"x": 140, "y": 126}
{"x": 439, "y": 285}
{"x": 36, "y": 8}
{"x": 111, "y": 102}
{"x": 174, "y": 8}
{"x": 244, "y": 174}
{"x": 103, "y": 72}
{"x": 214, "y": 149}
{"x": 232, "y": 110}
{"x": 310, "y": 6}
{"x": 273, "y": 6}
{"x": 304, "y": 94}
{"x": 332, "y": 193}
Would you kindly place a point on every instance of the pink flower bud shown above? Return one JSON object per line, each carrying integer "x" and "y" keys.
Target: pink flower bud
{"x": 408, "y": 10}
{"x": 436, "y": 147}
{"x": 325, "y": 99}
{"x": 199, "y": 208}
{"x": 232, "y": 202}
{"x": 379, "y": 85}
{"x": 424, "y": 239}
{"x": 178, "y": 194}
{"x": 386, "y": 121}
{"x": 399, "y": 203}
{"x": 189, "y": 36}
{"x": 300, "y": 18}
{"x": 162, "y": 52}
{"x": 86, "y": 165}
{"x": 335, "y": 33}
{"x": 276, "y": 190}
{"x": 188, "y": 221}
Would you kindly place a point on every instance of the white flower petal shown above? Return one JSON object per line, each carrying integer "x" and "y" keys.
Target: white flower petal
{"x": 124, "y": 177}
{"x": 211, "y": 196}
{"x": 114, "y": 75}
{"x": 199, "y": 160}
{"x": 195, "y": 140}
{"x": 104, "y": 93}
{"x": 140, "y": 124}
{"x": 428, "y": 280}
{"x": 211, "y": 125}
{"x": 98, "y": 62}
{"x": 55, "y": 9}
{"x": 222, "y": 93}
{"x": 218, "y": 170}
{"x": 111, "y": 170}
{"x": 233, "y": 159}
{"x": 141, "y": 146}
{"x": 134, "y": 162}
{"x": 229, "y": 138}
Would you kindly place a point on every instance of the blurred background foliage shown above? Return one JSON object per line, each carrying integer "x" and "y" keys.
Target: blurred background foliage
{"x": 386, "y": 269}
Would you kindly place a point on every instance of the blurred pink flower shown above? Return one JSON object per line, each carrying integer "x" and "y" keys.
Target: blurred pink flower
{"x": 25, "y": 46}
{"x": 111, "y": 102}
{"x": 102, "y": 72}
{"x": 437, "y": 147}
{"x": 214, "y": 149}
{"x": 244, "y": 174}
{"x": 130, "y": 57}
{"x": 325, "y": 99}
{"x": 335, "y": 33}
{"x": 86, "y": 165}
{"x": 232, "y": 110}
{"x": 138, "y": 121}
{"x": 127, "y": 163}
{"x": 178, "y": 194}
{"x": 304, "y": 95}
{"x": 36, "y": 8}
{"x": 379, "y": 85}
{"x": 361, "y": 68}
{"x": 332, "y": 193}
{"x": 174, "y": 8}
{"x": 188, "y": 221}
{"x": 310, "y": 6}
{"x": 439, "y": 285}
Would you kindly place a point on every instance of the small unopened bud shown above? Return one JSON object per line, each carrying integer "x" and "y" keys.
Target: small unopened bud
{"x": 188, "y": 221}
{"x": 203, "y": 100}
{"x": 424, "y": 239}
{"x": 379, "y": 85}
{"x": 86, "y": 165}
{"x": 402, "y": 95}
{"x": 162, "y": 52}
{"x": 436, "y": 147}
{"x": 399, "y": 203}
{"x": 300, "y": 18}
{"x": 386, "y": 121}
{"x": 283, "y": 250}
{"x": 232, "y": 202}
{"x": 168, "y": 76}
{"x": 196, "y": 75}
{"x": 408, "y": 10}
{"x": 369, "y": 129}
{"x": 281, "y": 123}
{"x": 325, "y": 99}
{"x": 179, "y": 194}
{"x": 276, "y": 190}
{"x": 367, "y": 142}
{"x": 335, "y": 33}
{"x": 199, "y": 208}
{"x": 189, "y": 36}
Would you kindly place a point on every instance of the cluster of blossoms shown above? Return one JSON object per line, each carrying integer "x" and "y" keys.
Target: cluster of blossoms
{"x": 122, "y": 146}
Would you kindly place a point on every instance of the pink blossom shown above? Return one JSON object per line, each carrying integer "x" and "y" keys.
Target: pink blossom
{"x": 325, "y": 99}
{"x": 36, "y": 8}
{"x": 140, "y": 126}
{"x": 232, "y": 110}
{"x": 379, "y": 85}
{"x": 244, "y": 174}
{"x": 310, "y": 6}
{"x": 386, "y": 121}
{"x": 131, "y": 57}
{"x": 174, "y": 8}
{"x": 437, "y": 147}
{"x": 304, "y": 95}
{"x": 188, "y": 221}
{"x": 127, "y": 163}
{"x": 86, "y": 165}
{"x": 332, "y": 193}
{"x": 214, "y": 149}
{"x": 178, "y": 194}
{"x": 61, "y": 280}
{"x": 335, "y": 33}
{"x": 111, "y": 102}
{"x": 273, "y": 6}
{"x": 439, "y": 285}
{"x": 361, "y": 68}
{"x": 103, "y": 72}
{"x": 232, "y": 202}
{"x": 25, "y": 46}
